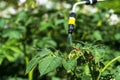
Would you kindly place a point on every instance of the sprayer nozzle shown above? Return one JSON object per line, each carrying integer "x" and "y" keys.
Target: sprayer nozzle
{"x": 71, "y": 23}
{"x": 70, "y": 28}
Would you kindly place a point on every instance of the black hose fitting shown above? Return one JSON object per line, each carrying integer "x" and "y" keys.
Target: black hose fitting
{"x": 73, "y": 15}
{"x": 91, "y": 2}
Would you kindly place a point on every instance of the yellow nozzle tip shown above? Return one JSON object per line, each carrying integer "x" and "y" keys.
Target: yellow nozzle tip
{"x": 71, "y": 20}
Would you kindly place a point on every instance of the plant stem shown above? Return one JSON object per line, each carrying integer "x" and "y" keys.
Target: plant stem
{"x": 99, "y": 75}
{"x": 106, "y": 66}
{"x": 113, "y": 60}
{"x": 91, "y": 71}
{"x": 30, "y": 74}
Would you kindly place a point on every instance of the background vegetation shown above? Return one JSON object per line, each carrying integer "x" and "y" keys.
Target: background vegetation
{"x": 31, "y": 27}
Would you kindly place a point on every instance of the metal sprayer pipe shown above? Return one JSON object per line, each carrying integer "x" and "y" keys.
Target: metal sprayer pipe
{"x": 80, "y": 3}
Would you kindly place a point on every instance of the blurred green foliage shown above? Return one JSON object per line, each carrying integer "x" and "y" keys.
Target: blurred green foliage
{"x": 112, "y": 4}
{"x": 31, "y": 28}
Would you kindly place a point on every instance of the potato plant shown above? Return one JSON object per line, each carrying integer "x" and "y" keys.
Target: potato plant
{"x": 83, "y": 62}
{"x": 33, "y": 39}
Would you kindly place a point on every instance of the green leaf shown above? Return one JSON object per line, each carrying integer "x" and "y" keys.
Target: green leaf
{"x": 9, "y": 56}
{"x": 69, "y": 65}
{"x": 31, "y": 64}
{"x": 66, "y": 25}
{"x": 48, "y": 64}
{"x": 29, "y": 21}
{"x": 1, "y": 59}
{"x": 117, "y": 36}
{"x": 97, "y": 35}
{"x": 108, "y": 4}
{"x": 21, "y": 29}
{"x": 57, "y": 78}
{"x": 12, "y": 34}
{"x": 86, "y": 77}
{"x": 43, "y": 53}
{"x": 44, "y": 25}
{"x": 47, "y": 42}
{"x": 57, "y": 22}
{"x": 30, "y": 4}
{"x": 21, "y": 16}
{"x": 2, "y": 23}
{"x": 116, "y": 73}
{"x": 35, "y": 60}
{"x": 98, "y": 56}
{"x": 16, "y": 50}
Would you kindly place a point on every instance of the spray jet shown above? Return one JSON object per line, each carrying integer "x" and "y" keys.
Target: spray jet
{"x": 72, "y": 16}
